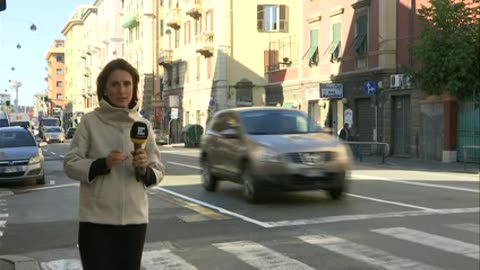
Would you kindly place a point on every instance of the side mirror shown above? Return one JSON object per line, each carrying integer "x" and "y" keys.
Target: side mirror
{"x": 42, "y": 144}
{"x": 231, "y": 133}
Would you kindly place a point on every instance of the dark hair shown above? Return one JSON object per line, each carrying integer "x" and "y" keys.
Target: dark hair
{"x": 117, "y": 64}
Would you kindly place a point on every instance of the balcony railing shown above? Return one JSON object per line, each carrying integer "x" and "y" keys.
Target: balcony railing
{"x": 206, "y": 46}
{"x": 165, "y": 58}
{"x": 174, "y": 18}
{"x": 196, "y": 11}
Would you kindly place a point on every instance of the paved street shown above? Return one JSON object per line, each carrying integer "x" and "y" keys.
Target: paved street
{"x": 395, "y": 216}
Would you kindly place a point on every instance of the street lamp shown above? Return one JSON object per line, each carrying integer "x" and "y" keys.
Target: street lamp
{"x": 15, "y": 85}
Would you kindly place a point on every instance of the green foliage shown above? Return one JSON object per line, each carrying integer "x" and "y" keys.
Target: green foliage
{"x": 449, "y": 48}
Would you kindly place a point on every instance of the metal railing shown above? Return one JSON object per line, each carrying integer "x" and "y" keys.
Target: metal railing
{"x": 359, "y": 151}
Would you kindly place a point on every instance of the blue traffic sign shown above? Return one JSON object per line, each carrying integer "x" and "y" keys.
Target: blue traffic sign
{"x": 212, "y": 103}
{"x": 370, "y": 87}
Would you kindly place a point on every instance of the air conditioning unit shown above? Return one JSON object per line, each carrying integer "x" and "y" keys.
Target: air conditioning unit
{"x": 396, "y": 80}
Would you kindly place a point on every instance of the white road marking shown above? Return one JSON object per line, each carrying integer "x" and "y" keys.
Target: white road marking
{"x": 3, "y": 215}
{"x": 52, "y": 182}
{"x": 360, "y": 176}
{"x": 53, "y": 153}
{"x": 261, "y": 257}
{"x": 211, "y": 206}
{"x": 62, "y": 156}
{"x": 399, "y": 214}
{"x": 184, "y": 165}
{"x": 389, "y": 202}
{"x": 469, "y": 227}
{"x": 1, "y": 233}
{"x": 70, "y": 264}
{"x": 164, "y": 259}
{"x": 363, "y": 253}
{"x": 53, "y": 187}
{"x": 432, "y": 240}
{"x": 2, "y": 223}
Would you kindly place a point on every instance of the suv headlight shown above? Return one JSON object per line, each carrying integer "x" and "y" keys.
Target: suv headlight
{"x": 267, "y": 155}
{"x": 35, "y": 159}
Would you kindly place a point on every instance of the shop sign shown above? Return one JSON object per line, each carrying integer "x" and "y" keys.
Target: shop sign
{"x": 331, "y": 90}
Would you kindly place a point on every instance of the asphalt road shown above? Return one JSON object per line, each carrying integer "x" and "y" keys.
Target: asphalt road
{"x": 389, "y": 219}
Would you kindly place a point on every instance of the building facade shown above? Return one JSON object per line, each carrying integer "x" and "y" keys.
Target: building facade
{"x": 55, "y": 79}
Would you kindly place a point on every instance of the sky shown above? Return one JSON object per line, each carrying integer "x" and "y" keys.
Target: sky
{"x": 29, "y": 61}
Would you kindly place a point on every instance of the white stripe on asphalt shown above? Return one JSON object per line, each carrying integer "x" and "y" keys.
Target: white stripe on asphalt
{"x": 53, "y": 187}
{"x": 3, "y": 215}
{"x": 363, "y": 253}
{"x": 399, "y": 214}
{"x": 432, "y": 240}
{"x": 469, "y": 227}
{"x": 260, "y": 256}
{"x": 164, "y": 259}
{"x": 389, "y": 202}
{"x": 2, "y": 223}
{"x": 184, "y": 165}
{"x": 70, "y": 264}
{"x": 360, "y": 176}
{"x": 211, "y": 206}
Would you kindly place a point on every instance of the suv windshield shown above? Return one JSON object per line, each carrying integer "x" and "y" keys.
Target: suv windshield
{"x": 53, "y": 130}
{"x": 16, "y": 138}
{"x": 268, "y": 122}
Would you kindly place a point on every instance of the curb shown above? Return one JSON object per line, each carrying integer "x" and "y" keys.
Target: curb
{"x": 16, "y": 262}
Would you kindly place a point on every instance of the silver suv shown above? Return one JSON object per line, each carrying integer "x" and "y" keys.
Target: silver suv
{"x": 270, "y": 148}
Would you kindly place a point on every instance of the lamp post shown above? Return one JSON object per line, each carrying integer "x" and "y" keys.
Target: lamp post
{"x": 15, "y": 85}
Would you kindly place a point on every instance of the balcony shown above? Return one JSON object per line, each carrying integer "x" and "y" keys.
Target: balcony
{"x": 205, "y": 47}
{"x": 165, "y": 58}
{"x": 174, "y": 18}
{"x": 196, "y": 11}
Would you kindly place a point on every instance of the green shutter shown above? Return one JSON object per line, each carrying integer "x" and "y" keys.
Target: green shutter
{"x": 313, "y": 42}
{"x": 336, "y": 36}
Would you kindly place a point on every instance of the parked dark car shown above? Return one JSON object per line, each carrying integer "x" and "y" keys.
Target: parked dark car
{"x": 161, "y": 138}
{"x": 21, "y": 158}
{"x": 70, "y": 132}
{"x": 270, "y": 148}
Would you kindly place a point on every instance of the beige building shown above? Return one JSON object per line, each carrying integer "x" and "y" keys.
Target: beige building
{"x": 213, "y": 55}
{"x": 73, "y": 32}
{"x": 140, "y": 27}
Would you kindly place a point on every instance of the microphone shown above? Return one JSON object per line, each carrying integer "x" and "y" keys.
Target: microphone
{"x": 138, "y": 135}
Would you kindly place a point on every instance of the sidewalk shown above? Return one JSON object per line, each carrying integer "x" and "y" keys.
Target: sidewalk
{"x": 417, "y": 165}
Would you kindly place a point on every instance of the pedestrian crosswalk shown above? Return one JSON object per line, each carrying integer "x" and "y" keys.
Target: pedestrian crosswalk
{"x": 358, "y": 251}
{"x": 3, "y": 215}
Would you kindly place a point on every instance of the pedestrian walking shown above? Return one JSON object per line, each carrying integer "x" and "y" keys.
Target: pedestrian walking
{"x": 344, "y": 132}
{"x": 113, "y": 208}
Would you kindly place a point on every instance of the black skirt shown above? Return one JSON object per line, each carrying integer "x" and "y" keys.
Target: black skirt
{"x": 116, "y": 247}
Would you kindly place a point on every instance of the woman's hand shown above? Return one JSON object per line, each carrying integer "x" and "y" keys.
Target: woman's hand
{"x": 115, "y": 157}
{"x": 140, "y": 160}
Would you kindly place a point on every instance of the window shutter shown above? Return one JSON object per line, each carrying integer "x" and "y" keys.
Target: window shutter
{"x": 313, "y": 42}
{"x": 260, "y": 18}
{"x": 283, "y": 18}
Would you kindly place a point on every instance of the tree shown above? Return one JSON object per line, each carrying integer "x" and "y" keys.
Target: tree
{"x": 449, "y": 48}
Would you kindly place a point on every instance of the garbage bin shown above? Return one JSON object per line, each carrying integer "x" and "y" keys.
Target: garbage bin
{"x": 191, "y": 135}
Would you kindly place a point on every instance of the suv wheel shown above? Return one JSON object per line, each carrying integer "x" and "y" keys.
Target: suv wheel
{"x": 40, "y": 181}
{"x": 250, "y": 187}
{"x": 209, "y": 181}
{"x": 337, "y": 191}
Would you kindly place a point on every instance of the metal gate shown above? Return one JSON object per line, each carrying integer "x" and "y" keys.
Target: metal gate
{"x": 401, "y": 125}
{"x": 364, "y": 119}
{"x": 468, "y": 130}
{"x": 432, "y": 132}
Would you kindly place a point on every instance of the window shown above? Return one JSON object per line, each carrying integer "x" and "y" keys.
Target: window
{"x": 187, "y": 117}
{"x": 271, "y": 60}
{"x": 199, "y": 117}
{"x": 59, "y": 84}
{"x": 313, "y": 51}
{"x": 336, "y": 41}
{"x": 272, "y": 18}
{"x": 59, "y": 96}
{"x": 59, "y": 71}
{"x": 59, "y": 58}
{"x": 59, "y": 45}
{"x": 360, "y": 42}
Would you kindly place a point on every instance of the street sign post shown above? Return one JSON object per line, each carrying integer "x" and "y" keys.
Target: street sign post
{"x": 370, "y": 87}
